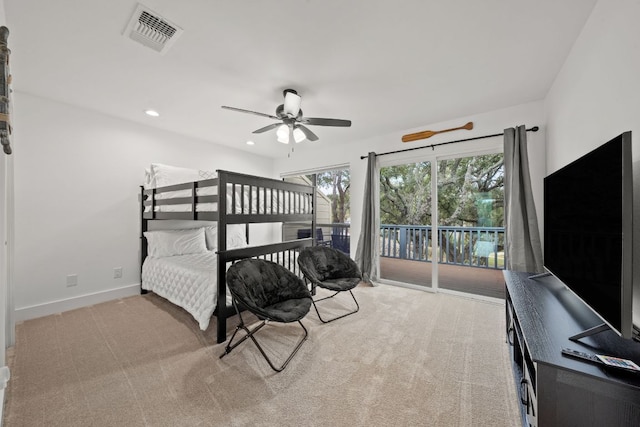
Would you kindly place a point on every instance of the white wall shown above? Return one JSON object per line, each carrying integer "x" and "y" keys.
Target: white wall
{"x": 77, "y": 177}
{"x": 316, "y": 155}
{"x": 596, "y": 96}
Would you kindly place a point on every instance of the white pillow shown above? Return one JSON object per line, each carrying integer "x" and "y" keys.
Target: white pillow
{"x": 164, "y": 175}
{"x": 165, "y": 243}
{"x": 149, "y": 181}
{"x": 236, "y": 236}
{"x": 211, "y": 235}
{"x": 207, "y": 174}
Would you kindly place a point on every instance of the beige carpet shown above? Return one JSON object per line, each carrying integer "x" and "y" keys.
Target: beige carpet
{"x": 408, "y": 358}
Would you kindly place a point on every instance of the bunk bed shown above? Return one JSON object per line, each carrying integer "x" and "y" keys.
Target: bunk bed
{"x": 188, "y": 265}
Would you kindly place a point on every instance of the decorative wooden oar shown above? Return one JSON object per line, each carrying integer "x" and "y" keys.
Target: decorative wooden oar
{"x": 429, "y": 133}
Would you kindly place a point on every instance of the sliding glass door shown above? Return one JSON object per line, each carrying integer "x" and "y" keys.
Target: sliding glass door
{"x": 442, "y": 224}
{"x": 471, "y": 224}
{"x": 406, "y": 235}
{"x": 333, "y": 214}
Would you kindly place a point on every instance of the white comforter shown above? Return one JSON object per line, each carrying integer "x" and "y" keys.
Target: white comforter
{"x": 188, "y": 281}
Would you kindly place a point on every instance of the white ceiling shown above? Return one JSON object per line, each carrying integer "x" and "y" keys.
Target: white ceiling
{"x": 386, "y": 65}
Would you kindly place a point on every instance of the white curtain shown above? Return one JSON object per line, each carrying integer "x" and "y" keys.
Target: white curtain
{"x": 523, "y": 247}
{"x": 367, "y": 251}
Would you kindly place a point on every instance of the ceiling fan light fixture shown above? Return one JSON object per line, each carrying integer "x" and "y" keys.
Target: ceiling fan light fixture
{"x": 283, "y": 134}
{"x": 292, "y": 103}
{"x": 298, "y": 135}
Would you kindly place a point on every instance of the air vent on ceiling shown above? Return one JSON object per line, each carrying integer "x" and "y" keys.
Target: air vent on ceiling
{"x": 152, "y": 30}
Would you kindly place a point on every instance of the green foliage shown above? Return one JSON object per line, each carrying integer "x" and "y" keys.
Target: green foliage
{"x": 405, "y": 194}
{"x": 335, "y": 185}
{"x": 470, "y": 192}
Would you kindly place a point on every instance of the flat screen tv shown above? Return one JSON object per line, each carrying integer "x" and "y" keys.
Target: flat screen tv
{"x": 588, "y": 226}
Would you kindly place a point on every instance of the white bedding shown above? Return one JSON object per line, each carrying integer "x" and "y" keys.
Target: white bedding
{"x": 188, "y": 281}
{"x": 159, "y": 175}
{"x": 261, "y": 202}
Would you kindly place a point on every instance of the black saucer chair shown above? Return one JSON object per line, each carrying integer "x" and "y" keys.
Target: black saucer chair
{"x": 330, "y": 269}
{"x": 272, "y": 293}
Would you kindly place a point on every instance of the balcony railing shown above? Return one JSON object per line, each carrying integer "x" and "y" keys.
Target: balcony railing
{"x": 467, "y": 246}
{"x": 337, "y": 235}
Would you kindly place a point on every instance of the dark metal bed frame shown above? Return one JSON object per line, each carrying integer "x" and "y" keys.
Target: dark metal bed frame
{"x": 279, "y": 192}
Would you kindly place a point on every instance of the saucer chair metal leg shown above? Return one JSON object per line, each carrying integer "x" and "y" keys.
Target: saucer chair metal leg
{"x": 293, "y": 353}
{"x": 251, "y": 332}
{"x": 230, "y": 346}
{"x": 341, "y": 316}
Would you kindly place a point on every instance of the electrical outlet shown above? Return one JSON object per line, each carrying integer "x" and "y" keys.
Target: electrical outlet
{"x": 117, "y": 273}
{"x": 72, "y": 280}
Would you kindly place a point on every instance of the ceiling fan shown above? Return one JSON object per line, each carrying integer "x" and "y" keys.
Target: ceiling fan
{"x": 292, "y": 124}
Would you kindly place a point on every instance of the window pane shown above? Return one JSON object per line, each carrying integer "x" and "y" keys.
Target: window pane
{"x": 333, "y": 213}
{"x": 405, "y": 224}
{"x": 471, "y": 224}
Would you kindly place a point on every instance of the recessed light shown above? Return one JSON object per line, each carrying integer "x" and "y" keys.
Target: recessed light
{"x": 152, "y": 113}
{"x": 251, "y": 143}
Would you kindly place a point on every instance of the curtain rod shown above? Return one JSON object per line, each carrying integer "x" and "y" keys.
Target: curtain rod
{"x": 432, "y": 146}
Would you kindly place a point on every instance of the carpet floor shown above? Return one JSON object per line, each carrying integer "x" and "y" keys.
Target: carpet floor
{"x": 407, "y": 358}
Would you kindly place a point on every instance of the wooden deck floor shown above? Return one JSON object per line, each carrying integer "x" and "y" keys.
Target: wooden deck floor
{"x": 474, "y": 280}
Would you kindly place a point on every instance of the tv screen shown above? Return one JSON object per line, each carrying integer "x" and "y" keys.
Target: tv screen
{"x": 588, "y": 230}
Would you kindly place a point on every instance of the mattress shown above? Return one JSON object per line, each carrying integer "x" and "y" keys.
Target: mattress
{"x": 188, "y": 281}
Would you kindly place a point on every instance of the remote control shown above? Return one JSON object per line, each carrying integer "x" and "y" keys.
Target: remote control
{"x": 616, "y": 362}
{"x": 607, "y": 361}
{"x": 581, "y": 355}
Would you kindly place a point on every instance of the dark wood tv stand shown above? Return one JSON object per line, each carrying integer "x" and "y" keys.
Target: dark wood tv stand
{"x": 557, "y": 390}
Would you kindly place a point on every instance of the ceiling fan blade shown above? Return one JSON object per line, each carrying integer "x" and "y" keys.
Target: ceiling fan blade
{"x": 325, "y": 122}
{"x": 266, "y": 128}
{"x": 307, "y": 132}
{"x": 250, "y": 112}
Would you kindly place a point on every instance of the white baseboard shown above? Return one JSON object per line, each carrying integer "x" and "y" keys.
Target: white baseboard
{"x": 59, "y": 306}
{"x": 4, "y": 378}
{"x": 1, "y": 407}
